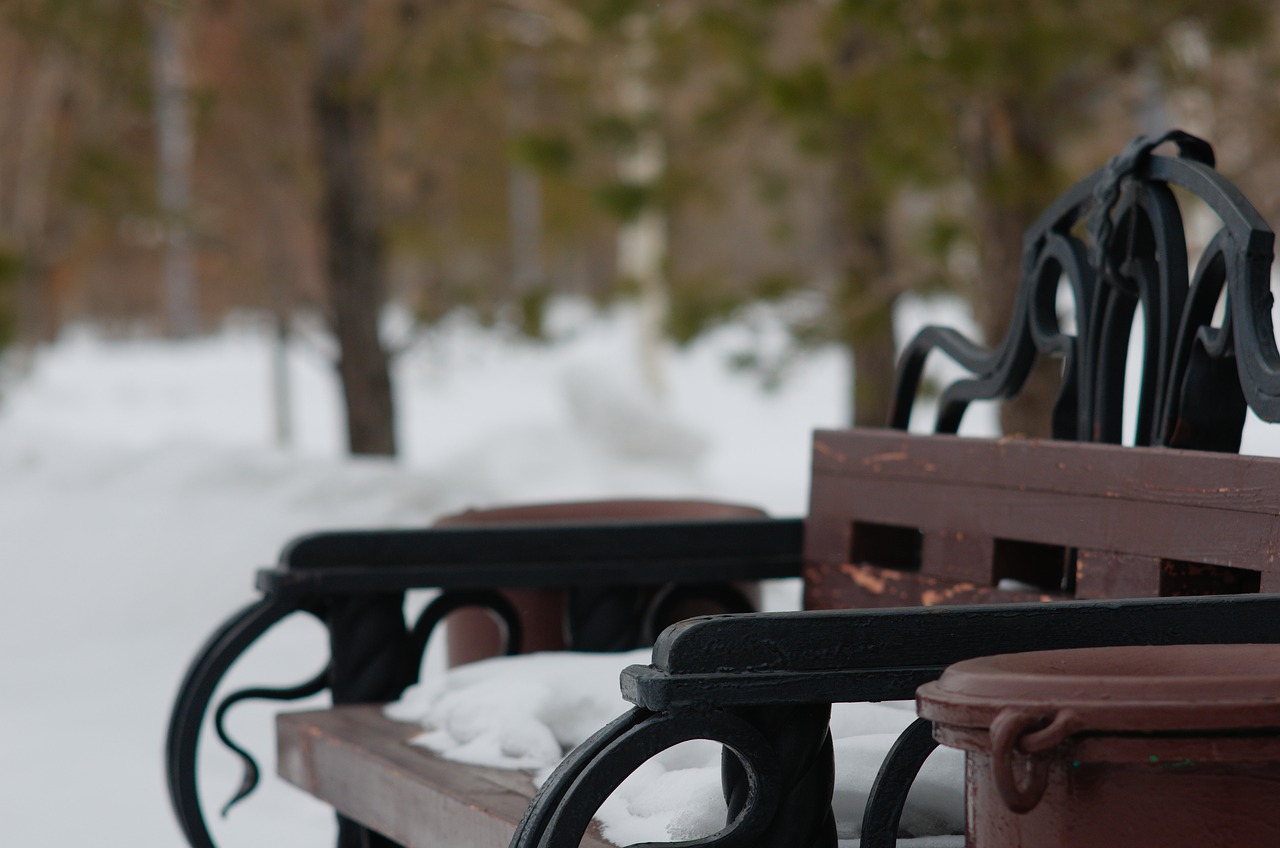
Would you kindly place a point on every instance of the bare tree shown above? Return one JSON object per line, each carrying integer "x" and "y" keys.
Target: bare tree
{"x": 345, "y": 112}
{"x": 173, "y": 136}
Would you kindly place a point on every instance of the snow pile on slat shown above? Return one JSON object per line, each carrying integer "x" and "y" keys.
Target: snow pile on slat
{"x": 527, "y": 712}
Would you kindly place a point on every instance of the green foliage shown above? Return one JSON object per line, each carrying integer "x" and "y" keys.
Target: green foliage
{"x": 804, "y": 93}
{"x": 771, "y": 187}
{"x": 1237, "y": 23}
{"x": 609, "y": 14}
{"x": 697, "y": 305}
{"x": 613, "y": 132}
{"x": 774, "y": 287}
{"x": 108, "y": 179}
{"x": 624, "y": 200}
{"x": 533, "y": 312}
{"x": 11, "y": 268}
{"x": 549, "y": 154}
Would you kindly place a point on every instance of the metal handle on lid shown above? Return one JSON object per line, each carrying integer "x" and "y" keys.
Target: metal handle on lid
{"x": 1027, "y": 733}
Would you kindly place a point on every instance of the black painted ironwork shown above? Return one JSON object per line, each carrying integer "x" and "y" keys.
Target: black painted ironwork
{"x": 888, "y": 796}
{"x": 582, "y": 782}
{"x": 623, "y": 618}
{"x": 665, "y": 607}
{"x": 1118, "y": 240}
{"x": 451, "y": 601}
{"x": 249, "y": 782}
{"x": 355, "y": 584}
{"x": 195, "y": 694}
{"x": 801, "y": 736}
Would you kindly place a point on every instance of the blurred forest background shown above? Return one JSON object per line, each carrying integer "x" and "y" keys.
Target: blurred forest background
{"x": 164, "y": 164}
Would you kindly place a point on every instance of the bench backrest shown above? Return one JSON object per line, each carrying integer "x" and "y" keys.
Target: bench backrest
{"x": 901, "y": 520}
{"x": 898, "y": 520}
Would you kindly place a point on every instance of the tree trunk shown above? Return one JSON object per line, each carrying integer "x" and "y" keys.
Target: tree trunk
{"x": 1010, "y": 166}
{"x": 27, "y": 207}
{"x": 346, "y": 115}
{"x": 524, "y": 187}
{"x": 874, "y": 363}
{"x": 869, "y": 288}
{"x": 642, "y": 242}
{"x": 173, "y": 136}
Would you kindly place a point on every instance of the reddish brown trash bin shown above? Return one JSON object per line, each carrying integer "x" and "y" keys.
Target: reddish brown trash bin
{"x": 474, "y": 635}
{"x": 1164, "y": 746}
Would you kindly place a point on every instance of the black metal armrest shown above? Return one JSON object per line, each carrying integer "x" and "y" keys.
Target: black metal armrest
{"x": 633, "y": 553}
{"x": 354, "y": 582}
{"x": 763, "y": 684}
{"x": 884, "y": 654}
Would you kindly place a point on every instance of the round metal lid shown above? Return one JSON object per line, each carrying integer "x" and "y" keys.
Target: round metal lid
{"x": 1149, "y": 688}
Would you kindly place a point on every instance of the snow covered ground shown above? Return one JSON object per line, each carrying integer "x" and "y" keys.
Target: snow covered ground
{"x": 140, "y": 487}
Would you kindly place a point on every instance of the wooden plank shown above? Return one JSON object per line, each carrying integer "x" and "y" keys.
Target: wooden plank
{"x": 957, "y": 555}
{"x": 1156, "y": 527}
{"x": 1156, "y": 475}
{"x": 1106, "y": 574}
{"x": 1145, "y": 521}
{"x": 868, "y": 587}
{"x": 359, "y": 762}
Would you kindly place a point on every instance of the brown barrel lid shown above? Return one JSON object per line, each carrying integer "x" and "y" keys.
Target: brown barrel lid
{"x": 1147, "y": 688}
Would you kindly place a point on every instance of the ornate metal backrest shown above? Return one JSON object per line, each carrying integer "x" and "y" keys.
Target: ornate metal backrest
{"x": 889, "y": 515}
{"x": 1118, "y": 238}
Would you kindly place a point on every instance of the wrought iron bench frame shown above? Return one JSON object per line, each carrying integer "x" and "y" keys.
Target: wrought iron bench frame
{"x": 1117, "y": 237}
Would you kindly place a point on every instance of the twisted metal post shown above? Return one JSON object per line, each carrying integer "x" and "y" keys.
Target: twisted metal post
{"x": 801, "y": 736}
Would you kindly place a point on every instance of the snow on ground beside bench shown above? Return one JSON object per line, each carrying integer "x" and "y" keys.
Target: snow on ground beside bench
{"x": 140, "y": 489}
{"x": 527, "y": 712}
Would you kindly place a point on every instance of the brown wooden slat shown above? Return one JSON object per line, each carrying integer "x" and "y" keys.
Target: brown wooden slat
{"x": 1145, "y": 521}
{"x": 359, "y": 762}
{"x": 866, "y": 587}
{"x": 1106, "y": 574}
{"x": 1161, "y": 475}
{"x": 1085, "y": 520}
{"x": 957, "y": 555}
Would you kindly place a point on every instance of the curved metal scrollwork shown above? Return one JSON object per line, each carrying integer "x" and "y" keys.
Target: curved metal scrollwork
{"x": 671, "y": 603}
{"x": 452, "y": 601}
{"x": 888, "y": 794}
{"x": 249, "y": 782}
{"x": 1118, "y": 239}
{"x": 226, "y": 645}
{"x": 373, "y": 657}
{"x": 564, "y": 807}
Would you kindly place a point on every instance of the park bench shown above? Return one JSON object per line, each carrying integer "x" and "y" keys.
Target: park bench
{"x": 918, "y": 551}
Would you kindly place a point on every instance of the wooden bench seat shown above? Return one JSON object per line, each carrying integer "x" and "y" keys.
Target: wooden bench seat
{"x": 361, "y": 763}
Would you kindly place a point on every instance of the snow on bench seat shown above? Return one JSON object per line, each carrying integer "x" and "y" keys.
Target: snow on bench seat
{"x": 494, "y": 729}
